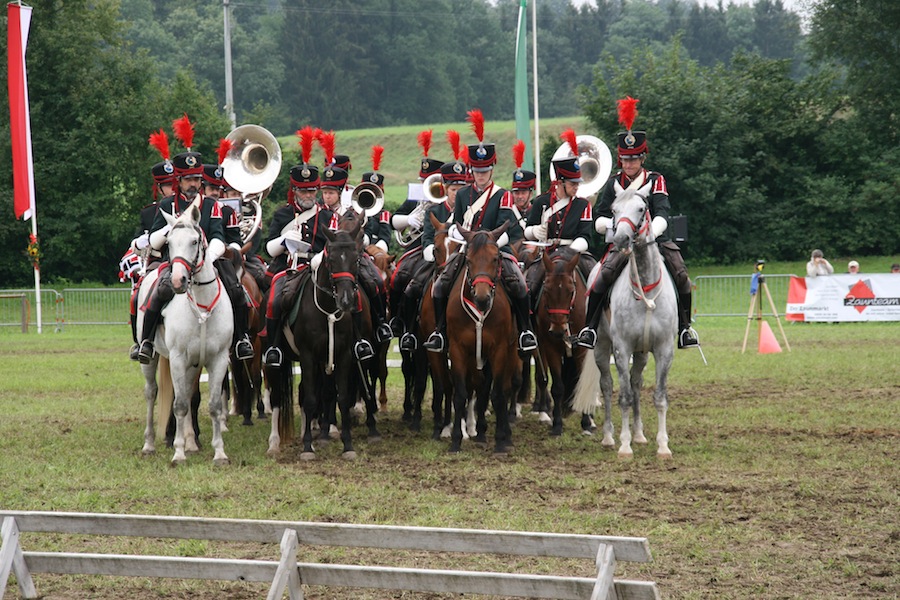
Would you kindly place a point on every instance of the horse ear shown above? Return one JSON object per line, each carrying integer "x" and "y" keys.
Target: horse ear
{"x": 435, "y": 222}
{"x": 496, "y": 233}
{"x": 169, "y": 218}
{"x": 573, "y": 262}
{"x": 548, "y": 264}
{"x": 465, "y": 233}
{"x": 329, "y": 234}
{"x": 194, "y": 211}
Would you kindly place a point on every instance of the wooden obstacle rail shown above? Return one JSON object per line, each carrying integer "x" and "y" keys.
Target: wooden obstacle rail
{"x": 287, "y": 575}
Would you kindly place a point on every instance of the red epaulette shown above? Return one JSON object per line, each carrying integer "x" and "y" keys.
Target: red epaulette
{"x": 385, "y": 217}
{"x": 333, "y": 225}
{"x": 586, "y": 214}
{"x": 216, "y": 212}
{"x": 507, "y": 200}
{"x": 659, "y": 185}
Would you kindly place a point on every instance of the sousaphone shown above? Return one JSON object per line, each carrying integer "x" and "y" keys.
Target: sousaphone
{"x": 595, "y": 161}
{"x": 251, "y": 167}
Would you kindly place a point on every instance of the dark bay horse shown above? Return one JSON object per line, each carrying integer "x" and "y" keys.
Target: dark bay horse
{"x": 321, "y": 338}
{"x": 560, "y": 316}
{"x": 482, "y": 340}
{"x": 247, "y": 375}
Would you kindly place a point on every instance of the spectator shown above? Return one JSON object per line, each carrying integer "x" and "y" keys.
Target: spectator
{"x": 853, "y": 267}
{"x": 818, "y": 265}
{"x": 895, "y": 268}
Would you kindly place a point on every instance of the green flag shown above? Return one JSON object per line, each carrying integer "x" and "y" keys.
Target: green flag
{"x": 523, "y": 119}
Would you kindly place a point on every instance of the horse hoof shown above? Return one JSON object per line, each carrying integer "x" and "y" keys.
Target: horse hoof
{"x": 307, "y": 456}
{"x": 176, "y": 462}
{"x": 587, "y": 432}
{"x": 639, "y": 439}
{"x": 664, "y": 455}
{"x": 350, "y": 455}
{"x": 247, "y": 422}
{"x": 221, "y": 462}
{"x": 272, "y": 452}
{"x": 556, "y": 432}
{"x": 626, "y": 455}
{"x": 374, "y": 439}
{"x": 416, "y": 427}
{"x": 544, "y": 418}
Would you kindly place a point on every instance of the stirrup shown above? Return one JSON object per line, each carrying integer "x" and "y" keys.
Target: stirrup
{"x": 396, "y": 325}
{"x": 587, "y": 338}
{"x": 133, "y": 353}
{"x": 408, "y": 342}
{"x": 688, "y": 338}
{"x": 435, "y": 342}
{"x": 527, "y": 341}
{"x": 273, "y": 357}
{"x": 145, "y": 354}
{"x": 383, "y": 333}
{"x": 243, "y": 349}
{"x": 363, "y": 351}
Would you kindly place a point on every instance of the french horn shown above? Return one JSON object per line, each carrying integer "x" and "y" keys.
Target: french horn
{"x": 595, "y": 161}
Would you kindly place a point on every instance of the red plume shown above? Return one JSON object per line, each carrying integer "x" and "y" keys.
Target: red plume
{"x": 326, "y": 140}
{"x": 184, "y": 131}
{"x": 160, "y": 141}
{"x": 425, "y": 141}
{"x": 377, "y": 151}
{"x": 519, "y": 153}
{"x": 453, "y": 138}
{"x": 477, "y": 120}
{"x": 307, "y": 136}
{"x": 627, "y": 111}
{"x": 568, "y": 136}
{"x": 225, "y": 146}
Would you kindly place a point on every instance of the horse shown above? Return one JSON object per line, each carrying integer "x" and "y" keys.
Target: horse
{"x": 560, "y": 312}
{"x": 196, "y": 333}
{"x": 642, "y": 318}
{"x": 247, "y": 375}
{"x": 482, "y": 340}
{"x": 384, "y": 262}
{"x": 321, "y": 337}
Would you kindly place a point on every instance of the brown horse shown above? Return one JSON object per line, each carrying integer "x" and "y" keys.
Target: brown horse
{"x": 560, "y": 316}
{"x": 384, "y": 262}
{"x": 482, "y": 340}
{"x": 247, "y": 375}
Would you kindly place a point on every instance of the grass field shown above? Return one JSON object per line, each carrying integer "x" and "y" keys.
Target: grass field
{"x": 784, "y": 482}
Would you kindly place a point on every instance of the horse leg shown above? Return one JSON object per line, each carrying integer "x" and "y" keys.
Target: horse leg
{"x": 661, "y": 400}
{"x": 460, "y": 402}
{"x": 371, "y": 410}
{"x": 420, "y": 385}
{"x": 184, "y": 382}
{"x": 606, "y": 389}
{"x": 625, "y": 401}
{"x": 191, "y": 431}
{"x": 218, "y": 372}
{"x": 557, "y": 391}
{"x": 408, "y": 368}
{"x": 150, "y": 390}
{"x": 346, "y": 393}
{"x": 502, "y": 389}
{"x": 279, "y": 395}
{"x": 637, "y": 382}
{"x": 482, "y": 399}
{"x": 309, "y": 402}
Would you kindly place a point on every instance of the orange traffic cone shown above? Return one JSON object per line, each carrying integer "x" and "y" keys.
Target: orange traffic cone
{"x": 767, "y": 342}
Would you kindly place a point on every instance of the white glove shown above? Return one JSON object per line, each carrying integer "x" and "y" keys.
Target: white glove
{"x": 602, "y": 224}
{"x": 454, "y": 234}
{"x": 216, "y": 250}
{"x": 428, "y": 253}
{"x": 539, "y": 232}
{"x": 503, "y": 239}
{"x": 158, "y": 238}
{"x": 365, "y": 239}
{"x": 400, "y": 222}
{"x": 275, "y": 246}
{"x": 141, "y": 242}
{"x": 382, "y": 244}
{"x": 235, "y": 247}
{"x": 658, "y": 226}
{"x": 579, "y": 245}
{"x": 294, "y": 235}
{"x": 415, "y": 220}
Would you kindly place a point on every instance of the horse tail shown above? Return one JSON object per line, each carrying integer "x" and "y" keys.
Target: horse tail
{"x": 588, "y": 387}
{"x": 165, "y": 396}
{"x": 285, "y": 385}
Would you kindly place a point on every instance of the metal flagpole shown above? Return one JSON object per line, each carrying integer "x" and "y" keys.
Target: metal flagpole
{"x": 229, "y": 86}
{"x": 537, "y": 127}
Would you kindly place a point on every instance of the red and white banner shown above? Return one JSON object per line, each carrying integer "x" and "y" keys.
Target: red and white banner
{"x": 846, "y": 297}
{"x": 19, "y": 20}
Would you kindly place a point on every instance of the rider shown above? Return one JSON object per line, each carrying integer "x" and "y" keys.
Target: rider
{"x": 410, "y": 218}
{"x": 188, "y": 171}
{"x": 300, "y": 224}
{"x": 561, "y": 218}
{"x": 213, "y": 183}
{"x": 650, "y": 185}
{"x": 484, "y": 206}
{"x": 523, "y": 184}
{"x": 377, "y": 230}
{"x": 453, "y": 178}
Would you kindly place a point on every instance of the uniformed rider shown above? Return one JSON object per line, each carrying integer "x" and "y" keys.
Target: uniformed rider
{"x": 651, "y": 185}
{"x": 484, "y": 206}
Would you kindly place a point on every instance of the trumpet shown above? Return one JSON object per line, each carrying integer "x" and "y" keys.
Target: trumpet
{"x": 433, "y": 192}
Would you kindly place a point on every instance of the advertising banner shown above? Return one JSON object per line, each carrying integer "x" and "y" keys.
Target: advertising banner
{"x": 831, "y": 298}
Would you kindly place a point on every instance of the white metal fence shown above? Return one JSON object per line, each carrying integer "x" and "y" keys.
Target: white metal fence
{"x": 714, "y": 296}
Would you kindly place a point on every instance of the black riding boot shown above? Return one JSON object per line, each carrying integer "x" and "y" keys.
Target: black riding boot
{"x": 522, "y": 309}
{"x": 158, "y": 299}
{"x": 377, "y": 309}
{"x": 362, "y": 350}
{"x": 273, "y": 356}
{"x": 597, "y": 301}
{"x": 408, "y": 341}
{"x": 133, "y": 353}
{"x": 436, "y": 341}
{"x": 243, "y": 348}
{"x": 687, "y": 337}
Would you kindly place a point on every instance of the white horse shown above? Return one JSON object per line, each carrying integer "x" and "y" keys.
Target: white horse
{"x": 642, "y": 318}
{"x": 196, "y": 333}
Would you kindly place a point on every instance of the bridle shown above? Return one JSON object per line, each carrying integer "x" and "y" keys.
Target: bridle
{"x": 196, "y": 264}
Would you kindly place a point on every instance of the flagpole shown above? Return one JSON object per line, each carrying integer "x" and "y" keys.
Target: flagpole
{"x": 537, "y": 126}
{"x": 37, "y": 275}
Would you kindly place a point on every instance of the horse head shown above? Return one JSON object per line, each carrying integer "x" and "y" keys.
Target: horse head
{"x": 631, "y": 218}
{"x": 559, "y": 289}
{"x": 341, "y": 260}
{"x": 187, "y": 246}
{"x": 351, "y": 222}
{"x": 482, "y": 264}
{"x": 443, "y": 245}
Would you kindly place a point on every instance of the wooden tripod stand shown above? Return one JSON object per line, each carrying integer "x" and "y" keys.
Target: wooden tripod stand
{"x": 756, "y": 306}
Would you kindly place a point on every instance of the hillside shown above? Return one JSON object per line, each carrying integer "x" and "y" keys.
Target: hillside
{"x": 400, "y": 164}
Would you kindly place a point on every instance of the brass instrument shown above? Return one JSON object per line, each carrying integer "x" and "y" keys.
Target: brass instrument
{"x": 595, "y": 161}
{"x": 251, "y": 167}
{"x": 367, "y": 198}
{"x": 433, "y": 192}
